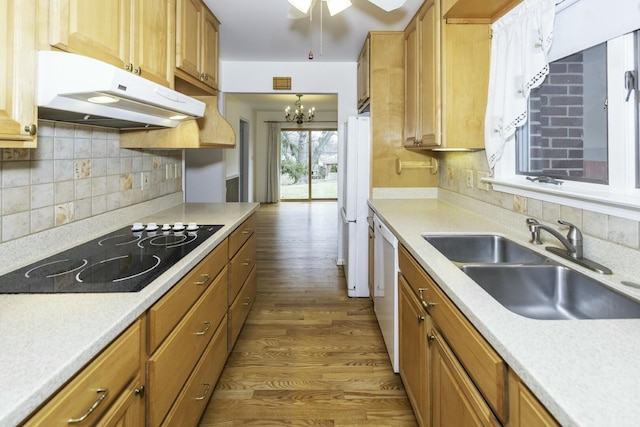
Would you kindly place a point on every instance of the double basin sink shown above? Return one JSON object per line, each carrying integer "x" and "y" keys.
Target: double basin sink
{"x": 530, "y": 284}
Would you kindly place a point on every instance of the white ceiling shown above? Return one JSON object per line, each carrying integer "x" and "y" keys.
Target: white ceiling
{"x": 260, "y": 30}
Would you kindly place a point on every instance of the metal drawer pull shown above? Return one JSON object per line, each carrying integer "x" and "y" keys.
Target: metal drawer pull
{"x": 103, "y": 394}
{"x": 247, "y": 231}
{"x": 247, "y": 262}
{"x": 420, "y": 317}
{"x": 207, "y": 279}
{"x": 248, "y": 301}
{"x": 208, "y": 325}
{"x": 426, "y": 304}
{"x": 206, "y": 391}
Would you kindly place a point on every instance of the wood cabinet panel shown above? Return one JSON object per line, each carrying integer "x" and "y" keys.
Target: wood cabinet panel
{"x": 363, "y": 76}
{"x": 197, "y": 392}
{"x": 99, "y": 384}
{"x": 18, "y": 110}
{"x": 524, "y": 409}
{"x": 153, "y": 28}
{"x": 197, "y": 44}
{"x": 456, "y": 401}
{"x": 170, "y": 366}
{"x": 413, "y": 351}
{"x": 241, "y": 235}
{"x": 166, "y": 313}
{"x": 135, "y": 35}
{"x": 128, "y": 410}
{"x": 239, "y": 309}
{"x": 240, "y": 266}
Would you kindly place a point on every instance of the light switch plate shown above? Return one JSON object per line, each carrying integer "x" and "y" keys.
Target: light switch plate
{"x": 145, "y": 180}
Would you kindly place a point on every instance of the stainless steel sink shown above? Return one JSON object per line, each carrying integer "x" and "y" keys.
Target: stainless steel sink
{"x": 551, "y": 292}
{"x": 483, "y": 248}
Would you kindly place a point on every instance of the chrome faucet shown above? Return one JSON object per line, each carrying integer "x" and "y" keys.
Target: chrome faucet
{"x": 572, "y": 244}
{"x": 573, "y": 241}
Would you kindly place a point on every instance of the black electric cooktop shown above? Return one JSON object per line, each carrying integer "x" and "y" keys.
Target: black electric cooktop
{"x": 122, "y": 261}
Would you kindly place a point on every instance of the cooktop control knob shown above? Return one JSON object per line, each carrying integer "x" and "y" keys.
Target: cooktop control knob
{"x": 178, "y": 226}
{"x": 192, "y": 226}
{"x": 152, "y": 226}
{"x": 166, "y": 227}
{"x": 137, "y": 226}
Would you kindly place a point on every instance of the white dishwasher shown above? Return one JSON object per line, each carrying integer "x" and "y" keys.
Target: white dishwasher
{"x": 385, "y": 292}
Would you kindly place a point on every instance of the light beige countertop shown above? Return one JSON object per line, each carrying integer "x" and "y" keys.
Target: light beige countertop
{"x": 586, "y": 372}
{"x": 46, "y": 338}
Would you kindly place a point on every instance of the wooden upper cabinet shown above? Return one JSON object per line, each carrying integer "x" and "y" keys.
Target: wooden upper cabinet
{"x": 422, "y": 78}
{"x": 468, "y": 11}
{"x": 18, "y": 110}
{"x": 363, "y": 76}
{"x": 196, "y": 44}
{"x": 130, "y": 34}
{"x": 152, "y": 45}
{"x": 445, "y": 102}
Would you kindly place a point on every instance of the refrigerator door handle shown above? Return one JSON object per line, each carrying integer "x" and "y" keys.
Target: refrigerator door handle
{"x": 343, "y": 213}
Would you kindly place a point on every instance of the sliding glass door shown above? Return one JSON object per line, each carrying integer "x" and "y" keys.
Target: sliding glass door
{"x": 308, "y": 164}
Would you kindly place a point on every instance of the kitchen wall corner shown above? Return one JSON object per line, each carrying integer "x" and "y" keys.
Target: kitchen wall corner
{"x": 77, "y": 172}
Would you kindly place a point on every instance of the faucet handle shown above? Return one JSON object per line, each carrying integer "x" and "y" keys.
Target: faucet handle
{"x": 532, "y": 221}
{"x": 574, "y": 235}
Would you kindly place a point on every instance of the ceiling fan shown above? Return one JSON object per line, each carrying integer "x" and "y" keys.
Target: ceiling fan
{"x": 337, "y": 6}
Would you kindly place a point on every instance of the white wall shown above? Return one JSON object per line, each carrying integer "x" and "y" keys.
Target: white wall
{"x": 306, "y": 77}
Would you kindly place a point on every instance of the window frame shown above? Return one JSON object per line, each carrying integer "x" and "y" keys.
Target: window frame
{"x": 620, "y": 197}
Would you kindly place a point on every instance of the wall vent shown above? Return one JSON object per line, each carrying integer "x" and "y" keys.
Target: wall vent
{"x": 282, "y": 83}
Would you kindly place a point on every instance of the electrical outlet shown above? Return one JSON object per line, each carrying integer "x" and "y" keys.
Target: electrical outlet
{"x": 483, "y": 185}
{"x": 178, "y": 170}
{"x": 169, "y": 173}
{"x": 470, "y": 178}
{"x": 145, "y": 180}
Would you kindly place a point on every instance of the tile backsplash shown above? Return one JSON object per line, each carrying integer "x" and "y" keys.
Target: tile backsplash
{"x": 75, "y": 173}
{"x": 454, "y": 170}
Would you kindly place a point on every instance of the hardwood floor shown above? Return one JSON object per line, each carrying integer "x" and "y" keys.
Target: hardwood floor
{"x": 308, "y": 354}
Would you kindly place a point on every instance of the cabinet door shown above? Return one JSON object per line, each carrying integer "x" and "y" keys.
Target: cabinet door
{"x": 17, "y": 80}
{"x": 188, "y": 36}
{"x": 414, "y": 369}
{"x": 525, "y": 410}
{"x": 430, "y": 106}
{"x": 411, "y": 84}
{"x": 152, "y": 45}
{"x": 455, "y": 400}
{"x": 363, "y": 75}
{"x": 209, "y": 66}
{"x": 128, "y": 409}
{"x": 100, "y": 30}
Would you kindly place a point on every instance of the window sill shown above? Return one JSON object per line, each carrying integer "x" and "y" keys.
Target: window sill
{"x": 624, "y": 206}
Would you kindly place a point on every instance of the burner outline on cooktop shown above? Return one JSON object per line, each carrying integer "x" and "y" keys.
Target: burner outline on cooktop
{"x": 62, "y": 273}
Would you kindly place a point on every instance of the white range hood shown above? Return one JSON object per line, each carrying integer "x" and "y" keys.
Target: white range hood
{"x": 82, "y": 90}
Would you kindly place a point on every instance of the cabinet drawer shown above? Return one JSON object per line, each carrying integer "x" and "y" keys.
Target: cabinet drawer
{"x": 170, "y": 366}
{"x": 481, "y": 361}
{"x": 196, "y": 394}
{"x": 240, "y": 308}
{"x": 166, "y": 313}
{"x": 99, "y": 383}
{"x": 241, "y": 235}
{"x": 240, "y": 266}
{"x": 456, "y": 401}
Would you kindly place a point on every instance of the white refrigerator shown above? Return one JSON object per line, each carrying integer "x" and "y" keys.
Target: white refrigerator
{"x": 352, "y": 203}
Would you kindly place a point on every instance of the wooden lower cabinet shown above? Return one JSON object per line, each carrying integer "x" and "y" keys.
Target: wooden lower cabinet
{"x": 455, "y": 399}
{"x": 104, "y": 392}
{"x": 170, "y": 366}
{"x": 412, "y": 342}
{"x": 196, "y": 394}
{"x": 524, "y": 409}
{"x": 457, "y": 378}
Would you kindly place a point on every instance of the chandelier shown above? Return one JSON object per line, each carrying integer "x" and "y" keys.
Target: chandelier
{"x": 298, "y": 116}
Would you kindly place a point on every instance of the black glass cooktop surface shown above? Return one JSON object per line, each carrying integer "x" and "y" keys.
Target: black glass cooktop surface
{"x": 121, "y": 261}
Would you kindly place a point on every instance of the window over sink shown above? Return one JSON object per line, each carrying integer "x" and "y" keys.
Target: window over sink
{"x": 583, "y": 130}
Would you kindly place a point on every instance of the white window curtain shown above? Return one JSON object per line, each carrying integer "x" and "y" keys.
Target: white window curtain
{"x": 520, "y": 42}
{"x": 273, "y": 163}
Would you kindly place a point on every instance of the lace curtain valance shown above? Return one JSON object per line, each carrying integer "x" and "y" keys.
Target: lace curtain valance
{"x": 520, "y": 42}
